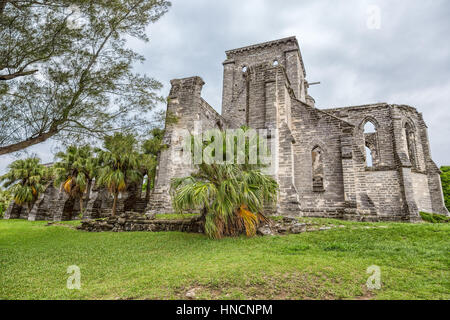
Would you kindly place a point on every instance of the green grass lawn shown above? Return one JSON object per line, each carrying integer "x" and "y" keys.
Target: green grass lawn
{"x": 414, "y": 262}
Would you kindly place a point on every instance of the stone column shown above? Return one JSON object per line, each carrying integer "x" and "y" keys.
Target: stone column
{"x": 184, "y": 103}
{"x": 295, "y": 73}
{"x": 348, "y": 170}
{"x": 277, "y": 98}
{"x": 42, "y": 207}
{"x": 227, "y": 92}
{"x": 404, "y": 166}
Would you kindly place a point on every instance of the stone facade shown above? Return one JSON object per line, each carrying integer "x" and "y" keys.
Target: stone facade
{"x": 321, "y": 164}
{"x": 321, "y": 159}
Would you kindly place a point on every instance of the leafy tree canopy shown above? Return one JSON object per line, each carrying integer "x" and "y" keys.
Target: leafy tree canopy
{"x": 26, "y": 179}
{"x": 119, "y": 163}
{"x": 75, "y": 171}
{"x": 65, "y": 70}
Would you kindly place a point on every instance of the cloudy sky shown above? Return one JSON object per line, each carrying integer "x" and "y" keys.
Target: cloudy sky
{"x": 403, "y": 58}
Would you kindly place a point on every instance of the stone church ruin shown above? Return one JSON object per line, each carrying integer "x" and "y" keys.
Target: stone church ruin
{"x": 368, "y": 163}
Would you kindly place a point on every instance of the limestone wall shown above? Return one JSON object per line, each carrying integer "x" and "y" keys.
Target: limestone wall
{"x": 384, "y": 192}
{"x": 422, "y": 192}
{"x": 189, "y": 108}
{"x": 236, "y": 93}
{"x": 311, "y": 129}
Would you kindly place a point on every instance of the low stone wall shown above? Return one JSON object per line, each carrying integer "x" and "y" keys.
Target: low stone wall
{"x": 130, "y": 222}
{"x": 138, "y": 222}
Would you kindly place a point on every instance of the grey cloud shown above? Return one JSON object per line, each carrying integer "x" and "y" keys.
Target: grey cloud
{"x": 406, "y": 61}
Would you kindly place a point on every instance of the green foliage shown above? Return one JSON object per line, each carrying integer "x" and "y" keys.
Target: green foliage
{"x": 119, "y": 164}
{"x": 231, "y": 196}
{"x": 232, "y": 149}
{"x": 73, "y": 83}
{"x": 434, "y": 218}
{"x": 76, "y": 171}
{"x": 154, "y": 145}
{"x": 445, "y": 178}
{"x": 232, "y": 199}
{"x": 5, "y": 199}
{"x": 149, "y": 157}
{"x": 26, "y": 180}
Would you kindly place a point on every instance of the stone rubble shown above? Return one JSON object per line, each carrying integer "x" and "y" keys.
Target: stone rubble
{"x": 139, "y": 222}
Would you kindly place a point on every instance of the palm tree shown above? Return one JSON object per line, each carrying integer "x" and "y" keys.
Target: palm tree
{"x": 231, "y": 197}
{"x": 119, "y": 165}
{"x": 148, "y": 164}
{"x": 149, "y": 158}
{"x": 25, "y": 180}
{"x": 75, "y": 172}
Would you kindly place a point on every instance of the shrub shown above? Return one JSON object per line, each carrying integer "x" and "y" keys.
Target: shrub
{"x": 434, "y": 218}
{"x": 2, "y": 210}
{"x": 5, "y": 199}
{"x": 445, "y": 178}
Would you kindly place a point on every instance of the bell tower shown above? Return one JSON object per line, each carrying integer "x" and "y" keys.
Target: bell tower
{"x": 239, "y": 72}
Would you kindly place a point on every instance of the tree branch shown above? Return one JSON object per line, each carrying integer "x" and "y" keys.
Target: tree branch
{"x": 2, "y": 6}
{"x": 4, "y": 77}
{"x": 28, "y": 143}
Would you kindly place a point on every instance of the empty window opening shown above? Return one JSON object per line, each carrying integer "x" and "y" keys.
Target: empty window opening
{"x": 275, "y": 63}
{"x": 369, "y": 127}
{"x": 369, "y": 158}
{"x": 371, "y": 144}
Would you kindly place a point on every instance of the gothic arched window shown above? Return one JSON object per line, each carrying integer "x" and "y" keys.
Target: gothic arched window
{"x": 317, "y": 169}
{"x": 371, "y": 144}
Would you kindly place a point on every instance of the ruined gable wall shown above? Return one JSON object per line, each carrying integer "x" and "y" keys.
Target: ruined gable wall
{"x": 380, "y": 116}
{"x": 393, "y": 183}
{"x": 378, "y": 189}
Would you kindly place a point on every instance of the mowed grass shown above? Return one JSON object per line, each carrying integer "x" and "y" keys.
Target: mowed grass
{"x": 414, "y": 262}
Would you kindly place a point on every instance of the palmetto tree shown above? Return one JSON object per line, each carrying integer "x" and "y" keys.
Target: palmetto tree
{"x": 230, "y": 196}
{"x": 76, "y": 171}
{"x": 149, "y": 158}
{"x": 147, "y": 165}
{"x": 25, "y": 180}
{"x": 119, "y": 165}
